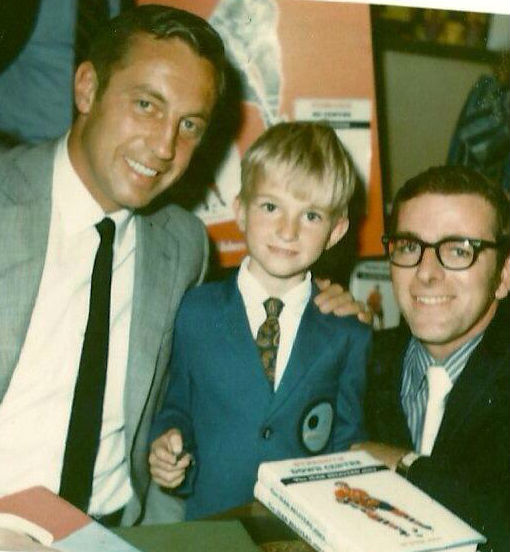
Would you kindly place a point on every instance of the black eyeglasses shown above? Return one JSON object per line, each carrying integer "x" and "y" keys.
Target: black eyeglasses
{"x": 453, "y": 253}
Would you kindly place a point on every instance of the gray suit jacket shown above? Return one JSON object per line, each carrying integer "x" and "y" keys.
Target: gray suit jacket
{"x": 171, "y": 255}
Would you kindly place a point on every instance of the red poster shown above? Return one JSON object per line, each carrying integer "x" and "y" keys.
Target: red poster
{"x": 297, "y": 59}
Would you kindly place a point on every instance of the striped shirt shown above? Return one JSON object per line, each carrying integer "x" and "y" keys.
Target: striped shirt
{"x": 414, "y": 390}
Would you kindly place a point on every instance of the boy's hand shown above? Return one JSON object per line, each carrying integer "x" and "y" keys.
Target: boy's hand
{"x": 168, "y": 460}
{"x": 335, "y": 299}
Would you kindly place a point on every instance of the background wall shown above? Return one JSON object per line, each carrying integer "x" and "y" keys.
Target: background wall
{"x": 424, "y": 97}
{"x": 292, "y": 60}
{"x": 427, "y": 62}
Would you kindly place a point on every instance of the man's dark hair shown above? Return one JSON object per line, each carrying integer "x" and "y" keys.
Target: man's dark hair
{"x": 112, "y": 42}
{"x": 453, "y": 180}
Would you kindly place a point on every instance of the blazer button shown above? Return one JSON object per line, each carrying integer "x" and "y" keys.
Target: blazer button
{"x": 267, "y": 432}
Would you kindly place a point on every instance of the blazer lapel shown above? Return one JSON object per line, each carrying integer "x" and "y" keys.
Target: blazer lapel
{"x": 156, "y": 262}
{"x": 239, "y": 338}
{"x": 310, "y": 338}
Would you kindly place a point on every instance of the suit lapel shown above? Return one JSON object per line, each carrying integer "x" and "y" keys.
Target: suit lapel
{"x": 388, "y": 359}
{"x": 400, "y": 426}
{"x": 480, "y": 377}
{"x": 21, "y": 266}
{"x": 24, "y": 220}
{"x": 156, "y": 262}
{"x": 477, "y": 378}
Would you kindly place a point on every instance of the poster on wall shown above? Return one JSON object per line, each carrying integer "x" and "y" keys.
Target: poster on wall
{"x": 350, "y": 117}
{"x": 296, "y": 60}
{"x": 371, "y": 283}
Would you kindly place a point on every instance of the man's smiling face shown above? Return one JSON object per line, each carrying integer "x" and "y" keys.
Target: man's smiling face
{"x": 445, "y": 308}
{"x": 136, "y": 139}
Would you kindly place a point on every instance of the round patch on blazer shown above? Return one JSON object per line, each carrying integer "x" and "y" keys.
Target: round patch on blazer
{"x": 316, "y": 425}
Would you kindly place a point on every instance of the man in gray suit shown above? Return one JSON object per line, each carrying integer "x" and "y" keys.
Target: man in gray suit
{"x": 144, "y": 100}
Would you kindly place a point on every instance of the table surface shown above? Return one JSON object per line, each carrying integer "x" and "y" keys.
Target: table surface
{"x": 260, "y": 529}
{"x": 266, "y": 530}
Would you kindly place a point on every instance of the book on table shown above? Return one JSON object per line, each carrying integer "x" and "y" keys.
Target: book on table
{"x": 351, "y": 502}
{"x": 54, "y": 522}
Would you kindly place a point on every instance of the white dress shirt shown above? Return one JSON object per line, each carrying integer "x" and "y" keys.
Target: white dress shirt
{"x": 35, "y": 411}
{"x": 295, "y": 301}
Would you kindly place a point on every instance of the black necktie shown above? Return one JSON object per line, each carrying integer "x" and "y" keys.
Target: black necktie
{"x": 268, "y": 336}
{"x": 87, "y": 409}
{"x": 90, "y": 16}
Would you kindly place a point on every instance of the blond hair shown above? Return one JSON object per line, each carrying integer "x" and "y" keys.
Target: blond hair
{"x": 308, "y": 158}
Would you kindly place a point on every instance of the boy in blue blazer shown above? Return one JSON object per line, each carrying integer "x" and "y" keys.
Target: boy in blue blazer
{"x": 257, "y": 372}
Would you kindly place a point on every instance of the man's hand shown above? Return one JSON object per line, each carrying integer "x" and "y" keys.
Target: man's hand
{"x": 386, "y": 453}
{"x": 335, "y": 299}
{"x": 168, "y": 460}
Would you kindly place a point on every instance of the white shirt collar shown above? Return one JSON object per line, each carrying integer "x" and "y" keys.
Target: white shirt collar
{"x": 75, "y": 206}
{"x": 254, "y": 293}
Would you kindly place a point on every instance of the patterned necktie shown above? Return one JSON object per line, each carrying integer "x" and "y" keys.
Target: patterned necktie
{"x": 268, "y": 336}
{"x": 439, "y": 385}
{"x": 87, "y": 410}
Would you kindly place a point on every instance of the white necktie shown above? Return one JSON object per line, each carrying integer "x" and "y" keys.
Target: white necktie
{"x": 439, "y": 385}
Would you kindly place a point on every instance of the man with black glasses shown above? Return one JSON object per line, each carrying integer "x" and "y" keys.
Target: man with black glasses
{"x": 438, "y": 400}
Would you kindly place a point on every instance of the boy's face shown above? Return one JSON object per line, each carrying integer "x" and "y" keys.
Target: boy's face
{"x": 284, "y": 234}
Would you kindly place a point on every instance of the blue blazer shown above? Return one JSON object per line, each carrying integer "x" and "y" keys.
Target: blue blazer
{"x": 231, "y": 419}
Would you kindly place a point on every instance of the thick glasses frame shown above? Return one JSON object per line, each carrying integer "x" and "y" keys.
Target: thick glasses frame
{"x": 477, "y": 245}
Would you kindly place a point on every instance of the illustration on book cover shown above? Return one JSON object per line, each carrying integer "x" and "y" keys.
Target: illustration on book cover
{"x": 372, "y": 507}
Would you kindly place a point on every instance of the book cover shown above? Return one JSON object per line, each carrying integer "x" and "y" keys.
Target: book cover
{"x": 352, "y": 502}
{"x": 295, "y": 519}
{"x": 54, "y": 522}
